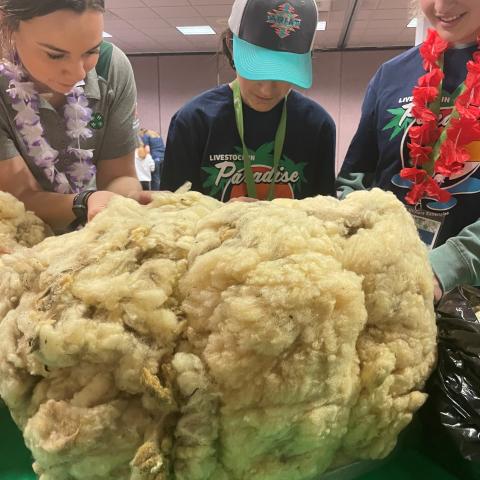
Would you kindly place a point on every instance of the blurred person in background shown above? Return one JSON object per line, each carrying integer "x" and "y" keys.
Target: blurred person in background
{"x": 144, "y": 166}
{"x": 154, "y": 142}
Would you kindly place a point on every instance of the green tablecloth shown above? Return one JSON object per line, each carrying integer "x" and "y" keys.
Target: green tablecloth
{"x": 15, "y": 459}
{"x": 416, "y": 458}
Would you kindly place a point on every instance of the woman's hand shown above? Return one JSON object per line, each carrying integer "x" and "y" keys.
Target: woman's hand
{"x": 99, "y": 200}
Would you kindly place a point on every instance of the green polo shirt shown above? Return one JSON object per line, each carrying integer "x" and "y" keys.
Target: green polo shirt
{"x": 112, "y": 98}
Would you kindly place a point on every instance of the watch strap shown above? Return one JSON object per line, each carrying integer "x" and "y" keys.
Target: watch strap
{"x": 80, "y": 208}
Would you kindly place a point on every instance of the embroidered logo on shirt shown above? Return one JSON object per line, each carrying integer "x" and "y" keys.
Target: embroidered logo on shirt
{"x": 284, "y": 20}
{"x": 97, "y": 122}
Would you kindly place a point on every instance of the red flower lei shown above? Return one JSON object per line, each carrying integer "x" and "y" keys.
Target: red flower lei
{"x": 435, "y": 154}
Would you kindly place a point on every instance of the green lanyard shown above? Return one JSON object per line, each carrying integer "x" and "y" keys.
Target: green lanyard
{"x": 435, "y": 106}
{"x": 277, "y": 152}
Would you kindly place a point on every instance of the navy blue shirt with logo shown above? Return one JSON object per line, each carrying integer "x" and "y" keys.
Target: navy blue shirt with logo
{"x": 204, "y": 148}
{"x": 379, "y": 147}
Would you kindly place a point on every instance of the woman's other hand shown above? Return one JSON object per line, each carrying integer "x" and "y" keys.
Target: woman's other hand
{"x": 143, "y": 197}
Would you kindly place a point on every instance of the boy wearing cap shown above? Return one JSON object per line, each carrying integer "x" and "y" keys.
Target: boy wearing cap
{"x": 256, "y": 137}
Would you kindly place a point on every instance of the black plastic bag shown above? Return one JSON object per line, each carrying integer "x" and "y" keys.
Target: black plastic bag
{"x": 454, "y": 387}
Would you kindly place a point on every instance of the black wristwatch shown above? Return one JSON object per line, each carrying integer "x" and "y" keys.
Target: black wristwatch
{"x": 80, "y": 208}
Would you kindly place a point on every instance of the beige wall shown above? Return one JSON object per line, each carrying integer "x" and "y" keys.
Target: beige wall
{"x": 165, "y": 83}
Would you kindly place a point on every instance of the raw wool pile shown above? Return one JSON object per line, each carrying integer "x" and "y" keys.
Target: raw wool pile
{"x": 19, "y": 230}
{"x": 192, "y": 340}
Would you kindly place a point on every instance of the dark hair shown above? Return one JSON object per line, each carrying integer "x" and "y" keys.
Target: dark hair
{"x": 15, "y": 11}
{"x": 12, "y": 12}
{"x": 227, "y": 38}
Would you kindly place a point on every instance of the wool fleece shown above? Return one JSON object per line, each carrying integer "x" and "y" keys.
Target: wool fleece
{"x": 195, "y": 340}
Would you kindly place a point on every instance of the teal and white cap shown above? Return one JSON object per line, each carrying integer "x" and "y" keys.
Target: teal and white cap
{"x": 273, "y": 40}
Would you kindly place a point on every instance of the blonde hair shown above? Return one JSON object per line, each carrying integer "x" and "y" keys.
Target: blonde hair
{"x": 153, "y": 133}
{"x": 414, "y": 8}
{"x": 150, "y": 133}
{"x": 141, "y": 152}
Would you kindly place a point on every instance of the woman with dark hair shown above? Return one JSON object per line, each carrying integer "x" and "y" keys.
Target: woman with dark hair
{"x": 68, "y": 100}
{"x": 257, "y": 137}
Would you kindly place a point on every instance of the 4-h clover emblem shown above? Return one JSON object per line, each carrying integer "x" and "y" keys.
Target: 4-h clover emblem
{"x": 97, "y": 122}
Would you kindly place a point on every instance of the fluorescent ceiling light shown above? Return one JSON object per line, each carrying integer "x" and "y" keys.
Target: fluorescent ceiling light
{"x": 412, "y": 23}
{"x": 198, "y": 30}
{"x": 322, "y": 25}
{"x": 106, "y": 35}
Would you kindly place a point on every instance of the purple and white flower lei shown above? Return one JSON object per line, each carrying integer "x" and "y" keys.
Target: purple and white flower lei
{"x": 26, "y": 101}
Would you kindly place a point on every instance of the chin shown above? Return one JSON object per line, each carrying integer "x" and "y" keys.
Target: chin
{"x": 58, "y": 88}
{"x": 62, "y": 90}
{"x": 456, "y": 37}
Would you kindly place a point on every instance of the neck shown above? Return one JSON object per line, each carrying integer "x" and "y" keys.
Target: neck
{"x": 40, "y": 87}
{"x": 55, "y": 99}
{"x": 459, "y": 45}
{"x": 467, "y": 41}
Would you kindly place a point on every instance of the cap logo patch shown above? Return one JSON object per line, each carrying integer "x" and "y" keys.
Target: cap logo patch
{"x": 284, "y": 20}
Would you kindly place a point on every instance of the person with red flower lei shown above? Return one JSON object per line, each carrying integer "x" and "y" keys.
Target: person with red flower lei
{"x": 419, "y": 137}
